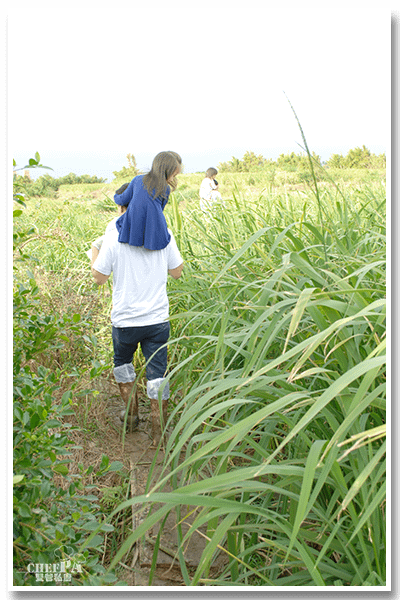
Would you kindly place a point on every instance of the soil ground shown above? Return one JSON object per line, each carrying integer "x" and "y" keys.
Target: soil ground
{"x": 137, "y": 451}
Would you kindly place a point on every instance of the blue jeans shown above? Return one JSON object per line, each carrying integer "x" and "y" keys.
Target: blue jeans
{"x": 150, "y": 338}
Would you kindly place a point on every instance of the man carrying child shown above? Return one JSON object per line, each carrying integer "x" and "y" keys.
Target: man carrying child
{"x": 140, "y": 252}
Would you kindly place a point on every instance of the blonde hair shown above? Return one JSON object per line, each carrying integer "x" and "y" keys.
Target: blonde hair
{"x": 163, "y": 173}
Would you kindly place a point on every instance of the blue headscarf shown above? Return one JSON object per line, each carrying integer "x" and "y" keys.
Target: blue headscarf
{"x": 143, "y": 223}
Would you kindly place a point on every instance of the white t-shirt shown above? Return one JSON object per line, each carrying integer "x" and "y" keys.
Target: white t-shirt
{"x": 206, "y": 187}
{"x": 139, "y": 280}
{"x": 209, "y": 196}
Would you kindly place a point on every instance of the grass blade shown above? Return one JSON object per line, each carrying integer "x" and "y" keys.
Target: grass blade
{"x": 309, "y": 474}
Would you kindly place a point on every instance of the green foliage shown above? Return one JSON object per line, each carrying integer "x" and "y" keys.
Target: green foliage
{"x": 278, "y": 381}
{"x": 250, "y": 162}
{"x": 52, "y": 523}
{"x": 45, "y": 185}
{"x": 358, "y": 158}
{"x": 57, "y": 522}
{"x": 129, "y": 172}
{"x": 277, "y": 373}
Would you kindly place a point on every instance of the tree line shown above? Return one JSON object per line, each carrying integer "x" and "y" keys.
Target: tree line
{"x": 48, "y": 186}
{"x": 358, "y": 158}
{"x": 45, "y": 185}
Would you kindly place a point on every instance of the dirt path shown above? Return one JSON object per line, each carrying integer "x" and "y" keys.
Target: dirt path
{"x": 168, "y": 573}
{"x": 139, "y": 453}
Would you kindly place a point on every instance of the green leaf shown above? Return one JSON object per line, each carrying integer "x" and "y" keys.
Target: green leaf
{"x": 91, "y": 525}
{"x": 363, "y": 518}
{"x": 62, "y": 469}
{"x": 53, "y": 423}
{"x": 24, "y": 510}
{"x": 298, "y": 313}
{"x": 363, "y": 476}
{"x": 95, "y": 542}
{"x": 309, "y": 473}
{"x": 240, "y": 252}
{"x": 17, "y": 479}
{"x": 116, "y": 465}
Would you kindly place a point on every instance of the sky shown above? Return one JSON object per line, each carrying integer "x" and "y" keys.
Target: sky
{"x": 90, "y": 82}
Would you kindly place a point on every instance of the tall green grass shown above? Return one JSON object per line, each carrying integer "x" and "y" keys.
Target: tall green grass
{"x": 278, "y": 374}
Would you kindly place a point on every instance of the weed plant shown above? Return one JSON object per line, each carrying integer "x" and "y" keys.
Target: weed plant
{"x": 277, "y": 372}
{"x": 278, "y": 379}
{"x": 58, "y": 524}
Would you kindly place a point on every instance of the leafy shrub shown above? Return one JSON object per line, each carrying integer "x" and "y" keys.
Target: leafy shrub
{"x": 357, "y": 158}
{"x": 48, "y": 186}
{"x": 58, "y": 525}
{"x": 51, "y": 524}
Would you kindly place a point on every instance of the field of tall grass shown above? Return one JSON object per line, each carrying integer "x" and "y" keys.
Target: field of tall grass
{"x": 276, "y": 367}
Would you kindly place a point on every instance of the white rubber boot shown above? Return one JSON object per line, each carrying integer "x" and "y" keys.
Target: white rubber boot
{"x": 153, "y": 387}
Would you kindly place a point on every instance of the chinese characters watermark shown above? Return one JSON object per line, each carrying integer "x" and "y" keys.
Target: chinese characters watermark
{"x": 60, "y": 572}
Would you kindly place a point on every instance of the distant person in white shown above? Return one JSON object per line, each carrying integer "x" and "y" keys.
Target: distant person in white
{"x": 209, "y": 194}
